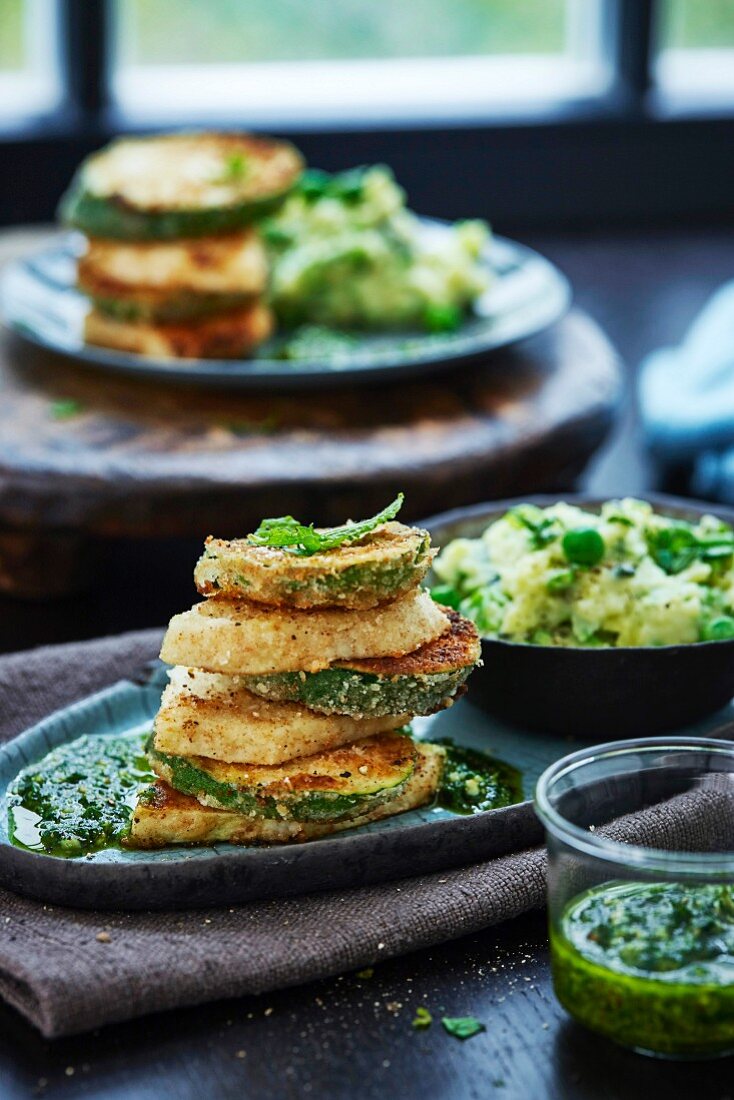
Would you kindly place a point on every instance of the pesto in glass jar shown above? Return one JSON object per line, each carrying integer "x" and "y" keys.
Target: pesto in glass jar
{"x": 650, "y": 965}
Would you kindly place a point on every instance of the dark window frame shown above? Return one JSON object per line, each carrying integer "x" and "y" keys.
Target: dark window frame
{"x": 621, "y": 157}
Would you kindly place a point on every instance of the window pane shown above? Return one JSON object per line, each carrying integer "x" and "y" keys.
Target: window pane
{"x": 11, "y": 34}
{"x": 302, "y": 30}
{"x": 275, "y": 61}
{"x": 696, "y": 44}
{"x": 697, "y": 24}
{"x": 28, "y": 68}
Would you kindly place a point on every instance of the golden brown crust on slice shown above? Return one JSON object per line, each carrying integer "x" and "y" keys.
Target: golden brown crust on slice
{"x": 190, "y": 171}
{"x": 205, "y": 714}
{"x": 236, "y": 636}
{"x": 167, "y": 817}
{"x": 362, "y": 767}
{"x": 234, "y": 263}
{"x": 458, "y": 647}
{"x": 375, "y": 569}
{"x": 231, "y": 335}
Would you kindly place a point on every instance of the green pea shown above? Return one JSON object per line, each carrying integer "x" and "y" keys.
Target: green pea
{"x": 442, "y": 318}
{"x": 583, "y": 545}
{"x": 718, "y": 630}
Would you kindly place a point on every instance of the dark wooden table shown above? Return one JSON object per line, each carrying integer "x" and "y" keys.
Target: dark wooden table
{"x": 87, "y": 458}
{"x": 352, "y": 1038}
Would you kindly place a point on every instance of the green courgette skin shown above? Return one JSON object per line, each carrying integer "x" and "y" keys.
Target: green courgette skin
{"x": 183, "y": 775}
{"x": 179, "y": 307}
{"x": 359, "y": 586}
{"x": 347, "y": 691}
{"x": 98, "y": 216}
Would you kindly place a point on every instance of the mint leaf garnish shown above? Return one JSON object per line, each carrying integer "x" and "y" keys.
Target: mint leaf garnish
{"x": 286, "y": 533}
{"x": 66, "y": 408}
{"x": 462, "y": 1027}
{"x": 235, "y": 168}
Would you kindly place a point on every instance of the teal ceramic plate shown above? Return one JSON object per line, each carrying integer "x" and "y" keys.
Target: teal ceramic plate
{"x": 40, "y": 304}
{"x": 411, "y": 844}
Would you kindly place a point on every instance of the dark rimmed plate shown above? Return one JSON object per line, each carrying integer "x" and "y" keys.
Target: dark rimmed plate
{"x": 587, "y": 692}
{"x": 411, "y": 844}
{"x": 40, "y": 304}
{"x": 420, "y": 841}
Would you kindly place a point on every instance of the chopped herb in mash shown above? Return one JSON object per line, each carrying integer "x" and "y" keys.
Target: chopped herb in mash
{"x": 625, "y": 576}
{"x": 347, "y": 253}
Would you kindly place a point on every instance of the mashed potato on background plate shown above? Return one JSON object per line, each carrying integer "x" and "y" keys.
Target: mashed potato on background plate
{"x": 347, "y": 253}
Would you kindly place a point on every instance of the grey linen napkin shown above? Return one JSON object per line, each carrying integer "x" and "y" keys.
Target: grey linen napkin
{"x": 55, "y": 970}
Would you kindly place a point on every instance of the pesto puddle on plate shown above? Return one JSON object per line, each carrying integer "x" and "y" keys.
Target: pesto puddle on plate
{"x": 79, "y": 798}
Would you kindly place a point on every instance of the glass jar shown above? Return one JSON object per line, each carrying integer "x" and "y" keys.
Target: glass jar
{"x": 641, "y": 909}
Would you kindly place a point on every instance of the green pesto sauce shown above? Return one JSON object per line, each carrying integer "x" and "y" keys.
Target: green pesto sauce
{"x": 79, "y": 798}
{"x": 473, "y": 781}
{"x": 314, "y": 342}
{"x": 650, "y": 965}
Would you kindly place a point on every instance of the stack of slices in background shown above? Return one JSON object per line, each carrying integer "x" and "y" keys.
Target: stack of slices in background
{"x": 174, "y": 265}
{"x": 294, "y": 680}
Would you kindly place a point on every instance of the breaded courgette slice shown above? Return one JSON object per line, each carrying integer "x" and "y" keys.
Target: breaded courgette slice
{"x": 206, "y": 714}
{"x": 358, "y": 575}
{"x": 325, "y": 786}
{"x": 179, "y": 185}
{"x": 173, "y": 280}
{"x": 237, "y": 636}
{"x": 164, "y": 816}
{"x": 166, "y": 309}
{"x": 418, "y": 683}
{"x": 231, "y": 335}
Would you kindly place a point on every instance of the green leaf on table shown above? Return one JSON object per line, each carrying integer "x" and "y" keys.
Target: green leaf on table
{"x": 462, "y": 1027}
{"x": 65, "y": 409}
{"x": 423, "y": 1018}
{"x": 287, "y": 533}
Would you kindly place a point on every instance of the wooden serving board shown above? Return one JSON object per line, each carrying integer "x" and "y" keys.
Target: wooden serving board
{"x": 83, "y": 456}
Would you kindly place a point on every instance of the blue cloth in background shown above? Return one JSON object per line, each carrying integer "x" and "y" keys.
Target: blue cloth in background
{"x": 687, "y": 400}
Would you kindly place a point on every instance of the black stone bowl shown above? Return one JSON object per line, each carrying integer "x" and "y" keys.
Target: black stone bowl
{"x": 595, "y": 693}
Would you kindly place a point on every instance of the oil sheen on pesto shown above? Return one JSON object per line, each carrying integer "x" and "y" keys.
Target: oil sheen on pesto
{"x": 79, "y": 798}
{"x": 473, "y": 781}
{"x": 650, "y": 965}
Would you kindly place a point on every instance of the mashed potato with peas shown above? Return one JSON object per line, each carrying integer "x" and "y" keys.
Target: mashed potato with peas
{"x": 624, "y": 576}
{"x": 347, "y": 253}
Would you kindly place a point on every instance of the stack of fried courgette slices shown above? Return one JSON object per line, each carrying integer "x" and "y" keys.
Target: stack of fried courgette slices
{"x": 173, "y": 265}
{"x": 293, "y": 683}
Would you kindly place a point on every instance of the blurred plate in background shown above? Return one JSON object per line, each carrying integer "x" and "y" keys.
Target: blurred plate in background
{"x": 528, "y": 293}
